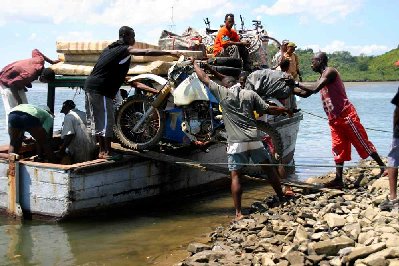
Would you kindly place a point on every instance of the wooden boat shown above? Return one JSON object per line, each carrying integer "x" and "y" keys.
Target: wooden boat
{"x": 61, "y": 191}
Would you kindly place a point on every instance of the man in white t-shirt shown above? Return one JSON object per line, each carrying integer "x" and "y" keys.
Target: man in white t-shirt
{"x": 78, "y": 144}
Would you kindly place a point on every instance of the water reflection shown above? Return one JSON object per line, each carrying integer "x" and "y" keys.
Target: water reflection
{"x": 34, "y": 245}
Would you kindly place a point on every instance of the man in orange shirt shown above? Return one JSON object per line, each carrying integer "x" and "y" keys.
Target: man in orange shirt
{"x": 227, "y": 43}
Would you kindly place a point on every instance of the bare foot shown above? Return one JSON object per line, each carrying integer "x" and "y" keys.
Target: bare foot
{"x": 238, "y": 217}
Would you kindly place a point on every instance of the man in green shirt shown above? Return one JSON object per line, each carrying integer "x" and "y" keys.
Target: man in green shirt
{"x": 35, "y": 120}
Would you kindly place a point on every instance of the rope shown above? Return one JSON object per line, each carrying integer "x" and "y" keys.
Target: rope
{"x": 372, "y": 129}
{"x": 76, "y": 92}
{"x": 293, "y": 165}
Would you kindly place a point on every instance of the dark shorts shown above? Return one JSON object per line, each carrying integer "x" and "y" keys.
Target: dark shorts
{"x": 237, "y": 161}
{"x": 22, "y": 121}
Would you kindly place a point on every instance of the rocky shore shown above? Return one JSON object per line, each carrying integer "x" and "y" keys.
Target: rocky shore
{"x": 317, "y": 227}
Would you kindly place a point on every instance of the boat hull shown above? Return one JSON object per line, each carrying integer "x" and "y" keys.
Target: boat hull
{"x": 61, "y": 191}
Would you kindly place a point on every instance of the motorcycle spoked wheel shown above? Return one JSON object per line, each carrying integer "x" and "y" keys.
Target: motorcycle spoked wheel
{"x": 128, "y": 114}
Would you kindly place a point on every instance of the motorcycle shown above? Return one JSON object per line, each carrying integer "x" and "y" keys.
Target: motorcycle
{"x": 179, "y": 111}
{"x": 182, "y": 111}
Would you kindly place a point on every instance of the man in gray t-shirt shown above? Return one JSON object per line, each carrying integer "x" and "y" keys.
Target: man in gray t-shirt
{"x": 244, "y": 143}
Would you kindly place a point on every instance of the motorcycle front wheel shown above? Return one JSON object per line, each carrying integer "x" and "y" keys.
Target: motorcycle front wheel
{"x": 127, "y": 116}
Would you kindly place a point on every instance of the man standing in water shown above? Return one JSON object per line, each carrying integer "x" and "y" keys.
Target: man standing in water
{"x": 104, "y": 82}
{"x": 345, "y": 126}
{"x": 242, "y": 135}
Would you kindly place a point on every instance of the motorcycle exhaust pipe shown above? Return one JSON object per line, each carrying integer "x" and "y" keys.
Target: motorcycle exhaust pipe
{"x": 159, "y": 100}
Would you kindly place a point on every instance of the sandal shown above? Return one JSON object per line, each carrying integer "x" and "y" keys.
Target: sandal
{"x": 334, "y": 184}
{"x": 288, "y": 192}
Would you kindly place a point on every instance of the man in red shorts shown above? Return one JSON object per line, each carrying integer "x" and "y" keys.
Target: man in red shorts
{"x": 346, "y": 129}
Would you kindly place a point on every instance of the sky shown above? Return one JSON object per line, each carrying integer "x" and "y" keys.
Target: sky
{"x": 359, "y": 26}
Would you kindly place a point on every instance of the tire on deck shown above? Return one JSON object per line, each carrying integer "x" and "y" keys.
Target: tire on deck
{"x": 225, "y": 61}
{"x": 127, "y": 115}
{"x": 228, "y": 71}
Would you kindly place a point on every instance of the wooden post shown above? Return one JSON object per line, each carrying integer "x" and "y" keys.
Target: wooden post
{"x": 14, "y": 208}
{"x": 51, "y": 101}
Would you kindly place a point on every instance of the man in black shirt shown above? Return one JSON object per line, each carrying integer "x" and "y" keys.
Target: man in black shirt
{"x": 392, "y": 201}
{"x": 104, "y": 82}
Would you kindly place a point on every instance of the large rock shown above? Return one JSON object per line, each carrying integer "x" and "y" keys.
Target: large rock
{"x": 197, "y": 247}
{"x": 393, "y": 241}
{"x": 362, "y": 252}
{"x": 334, "y": 220}
{"x": 301, "y": 234}
{"x": 331, "y": 247}
{"x": 352, "y": 230}
{"x": 380, "y": 258}
{"x": 296, "y": 258}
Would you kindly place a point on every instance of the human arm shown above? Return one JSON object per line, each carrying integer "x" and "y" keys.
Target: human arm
{"x": 203, "y": 77}
{"x": 216, "y": 74}
{"x": 48, "y": 60}
{"x": 327, "y": 77}
{"x": 297, "y": 67}
{"x": 67, "y": 140}
{"x": 152, "y": 52}
{"x": 260, "y": 106}
{"x": 68, "y": 131}
{"x": 142, "y": 86}
{"x": 396, "y": 117}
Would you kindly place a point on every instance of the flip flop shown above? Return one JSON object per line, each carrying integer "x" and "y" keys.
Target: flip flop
{"x": 288, "y": 192}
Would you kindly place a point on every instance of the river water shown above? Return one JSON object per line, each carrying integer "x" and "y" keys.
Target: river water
{"x": 158, "y": 234}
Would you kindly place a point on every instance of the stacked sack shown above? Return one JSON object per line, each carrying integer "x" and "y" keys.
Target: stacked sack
{"x": 79, "y": 58}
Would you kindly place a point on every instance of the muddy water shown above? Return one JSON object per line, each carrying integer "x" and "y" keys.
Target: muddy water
{"x": 155, "y": 235}
{"x": 159, "y": 234}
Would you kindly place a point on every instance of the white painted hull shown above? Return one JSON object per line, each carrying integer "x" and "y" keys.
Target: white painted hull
{"x": 60, "y": 191}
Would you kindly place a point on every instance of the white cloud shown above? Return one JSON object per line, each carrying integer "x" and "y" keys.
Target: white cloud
{"x": 116, "y": 13}
{"x": 32, "y": 37}
{"x": 371, "y": 49}
{"x": 324, "y": 11}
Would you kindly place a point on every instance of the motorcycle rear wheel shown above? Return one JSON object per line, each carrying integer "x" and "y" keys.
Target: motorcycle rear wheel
{"x": 127, "y": 116}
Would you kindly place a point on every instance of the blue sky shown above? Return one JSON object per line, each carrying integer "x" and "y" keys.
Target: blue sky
{"x": 358, "y": 26}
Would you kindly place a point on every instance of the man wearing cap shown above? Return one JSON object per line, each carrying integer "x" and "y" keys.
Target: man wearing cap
{"x": 37, "y": 121}
{"x": 294, "y": 61}
{"x": 78, "y": 143}
{"x": 16, "y": 77}
{"x": 278, "y": 56}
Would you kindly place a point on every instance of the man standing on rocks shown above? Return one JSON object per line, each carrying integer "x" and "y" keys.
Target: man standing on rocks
{"x": 345, "y": 126}
{"x": 244, "y": 143}
{"x": 393, "y": 161}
